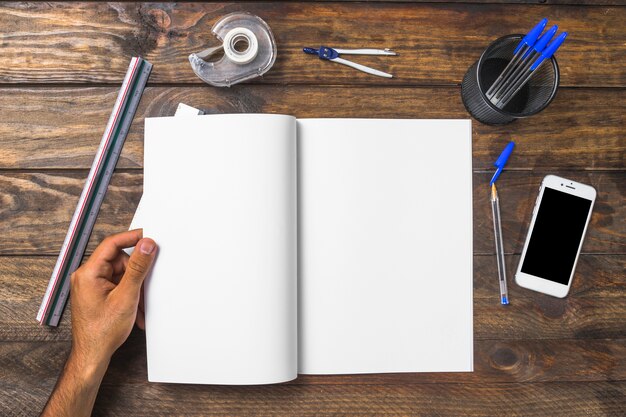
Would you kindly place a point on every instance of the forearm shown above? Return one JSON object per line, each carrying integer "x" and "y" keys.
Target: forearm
{"x": 76, "y": 390}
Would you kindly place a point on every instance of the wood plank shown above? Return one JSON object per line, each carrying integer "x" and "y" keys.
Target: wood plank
{"x": 595, "y": 308}
{"x": 37, "y": 208}
{"x": 494, "y": 361}
{"x": 41, "y": 205}
{"x": 518, "y": 194}
{"x": 529, "y": 2}
{"x": 22, "y": 278}
{"x": 570, "y": 399}
{"x": 62, "y": 127}
{"x": 528, "y": 361}
{"x": 595, "y": 276}
{"x": 92, "y": 42}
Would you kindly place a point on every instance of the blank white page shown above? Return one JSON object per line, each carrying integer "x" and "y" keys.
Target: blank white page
{"x": 385, "y": 255}
{"x": 220, "y": 201}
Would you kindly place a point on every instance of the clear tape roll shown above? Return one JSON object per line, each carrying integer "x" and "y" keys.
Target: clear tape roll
{"x": 238, "y": 37}
{"x": 249, "y": 51}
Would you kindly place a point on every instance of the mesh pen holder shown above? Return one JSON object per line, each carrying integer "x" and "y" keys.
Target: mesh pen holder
{"x": 531, "y": 99}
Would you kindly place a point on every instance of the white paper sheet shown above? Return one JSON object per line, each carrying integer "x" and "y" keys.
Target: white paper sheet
{"x": 220, "y": 201}
{"x": 183, "y": 110}
{"x": 385, "y": 256}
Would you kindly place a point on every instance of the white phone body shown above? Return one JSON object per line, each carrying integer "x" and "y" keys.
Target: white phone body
{"x": 551, "y": 252}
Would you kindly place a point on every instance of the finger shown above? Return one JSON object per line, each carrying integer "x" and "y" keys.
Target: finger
{"x": 141, "y": 312}
{"x": 141, "y": 302}
{"x": 97, "y": 269}
{"x": 115, "y": 279}
{"x": 119, "y": 267}
{"x": 141, "y": 320}
{"x": 120, "y": 263}
{"x": 111, "y": 246}
{"x": 137, "y": 269}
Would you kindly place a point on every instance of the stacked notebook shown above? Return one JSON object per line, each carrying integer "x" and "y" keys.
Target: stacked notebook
{"x": 313, "y": 246}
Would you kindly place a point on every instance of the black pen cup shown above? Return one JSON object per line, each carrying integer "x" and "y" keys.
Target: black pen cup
{"x": 532, "y": 97}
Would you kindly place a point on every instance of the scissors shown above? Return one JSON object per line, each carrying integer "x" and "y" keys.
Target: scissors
{"x": 332, "y": 55}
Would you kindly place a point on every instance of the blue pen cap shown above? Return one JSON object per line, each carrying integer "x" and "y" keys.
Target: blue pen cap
{"x": 531, "y": 37}
{"x": 550, "y": 50}
{"x": 543, "y": 40}
{"x": 501, "y": 161}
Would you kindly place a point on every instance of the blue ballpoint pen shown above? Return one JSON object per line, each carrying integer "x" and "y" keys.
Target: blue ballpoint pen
{"x": 520, "y": 50}
{"x": 497, "y": 230}
{"x": 497, "y": 224}
{"x": 545, "y": 54}
{"x": 527, "y": 61}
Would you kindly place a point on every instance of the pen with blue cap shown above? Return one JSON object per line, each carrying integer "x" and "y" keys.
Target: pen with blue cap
{"x": 545, "y": 54}
{"x": 527, "y": 61}
{"x": 497, "y": 223}
{"x": 520, "y": 51}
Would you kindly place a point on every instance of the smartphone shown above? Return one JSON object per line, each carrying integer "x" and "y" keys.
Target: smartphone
{"x": 556, "y": 233}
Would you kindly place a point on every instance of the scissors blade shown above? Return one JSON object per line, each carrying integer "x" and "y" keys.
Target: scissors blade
{"x": 360, "y": 67}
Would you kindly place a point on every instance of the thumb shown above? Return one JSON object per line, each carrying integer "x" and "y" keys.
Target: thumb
{"x": 138, "y": 266}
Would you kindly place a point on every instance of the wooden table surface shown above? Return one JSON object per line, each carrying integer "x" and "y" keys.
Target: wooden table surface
{"x": 61, "y": 65}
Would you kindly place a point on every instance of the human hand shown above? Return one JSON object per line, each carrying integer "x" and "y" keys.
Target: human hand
{"x": 105, "y": 297}
{"x": 105, "y": 294}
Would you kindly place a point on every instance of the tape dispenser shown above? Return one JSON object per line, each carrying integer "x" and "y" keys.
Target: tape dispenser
{"x": 249, "y": 51}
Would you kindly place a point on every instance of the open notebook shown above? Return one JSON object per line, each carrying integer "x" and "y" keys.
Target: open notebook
{"x": 314, "y": 246}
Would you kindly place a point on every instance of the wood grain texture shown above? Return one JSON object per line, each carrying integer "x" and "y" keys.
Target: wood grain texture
{"x": 93, "y": 42}
{"x": 528, "y": 2}
{"x": 529, "y": 317}
{"x": 571, "y": 399}
{"x": 507, "y": 361}
{"x": 595, "y": 308}
{"x": 44, "y": 128}
{"x": 37, "y": 208}
{"x": 60, "y": 69}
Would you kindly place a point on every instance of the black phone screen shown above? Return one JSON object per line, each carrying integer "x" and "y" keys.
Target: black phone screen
{"x": 555, "y": 239}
